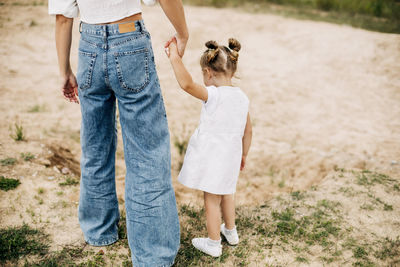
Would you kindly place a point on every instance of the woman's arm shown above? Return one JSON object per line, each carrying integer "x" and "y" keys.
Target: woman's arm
{"x": 246, "y": 141}
{"x": 63, "y": 44}
{"x": 183, "y": 76}
{"x": 173, "y": 9}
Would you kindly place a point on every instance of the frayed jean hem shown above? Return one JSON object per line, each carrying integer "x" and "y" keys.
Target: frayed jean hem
{"x": 101, "y": 243}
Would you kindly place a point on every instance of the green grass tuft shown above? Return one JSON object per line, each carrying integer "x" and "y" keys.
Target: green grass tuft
{"x": 27, "y": 156}
{"x": 18, "y": 134}
{"x": 69, "y": 181}
{"x": 8, "y": 183}
{"x": 20, "y": 241}
{"x": 8, "y": 161}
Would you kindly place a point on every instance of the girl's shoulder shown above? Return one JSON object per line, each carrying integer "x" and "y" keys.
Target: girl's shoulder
{"x": 220, "y": 91}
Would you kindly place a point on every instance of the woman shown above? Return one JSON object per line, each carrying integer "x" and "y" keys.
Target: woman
{"x": 116, "y": 64}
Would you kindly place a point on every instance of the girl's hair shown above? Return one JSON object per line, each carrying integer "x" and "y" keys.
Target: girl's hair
{"x": 221, "y": 58}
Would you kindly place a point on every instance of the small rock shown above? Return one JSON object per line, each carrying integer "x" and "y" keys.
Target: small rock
{"x": 21, "y": 177}
{"x": 50, "y": 178}
{"x": 394, "y": 162}
{"x": 34, "y": 174}
{"x": 44, "y": 162}
{"x": 56, "y": 169}
{"x": 65, "y": 170}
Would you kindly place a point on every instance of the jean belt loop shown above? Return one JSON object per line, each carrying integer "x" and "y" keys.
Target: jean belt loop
{"x": 80, "y": 27}
{"x": 140, "y": 26}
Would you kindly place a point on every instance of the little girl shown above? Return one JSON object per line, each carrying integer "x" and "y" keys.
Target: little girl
{"x": 218, "y": 148}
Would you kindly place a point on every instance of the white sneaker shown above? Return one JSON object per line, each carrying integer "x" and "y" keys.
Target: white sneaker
{"x": 230, "y": 235}
{"x": 208, "y": 246}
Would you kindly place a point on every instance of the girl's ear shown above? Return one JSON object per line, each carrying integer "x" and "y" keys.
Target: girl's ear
{"x": 208, "y": 73}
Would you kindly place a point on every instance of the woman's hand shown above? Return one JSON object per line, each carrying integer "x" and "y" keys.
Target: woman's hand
{"x": 180, "y": 44}
{"x": 69, "y": 88}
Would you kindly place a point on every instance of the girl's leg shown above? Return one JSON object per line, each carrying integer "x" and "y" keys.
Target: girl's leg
{"x": 212, "y": 204}
{"x": 228, "y": 211}
{"x": 212, "y": 244}
{"x": 228, "y": 229}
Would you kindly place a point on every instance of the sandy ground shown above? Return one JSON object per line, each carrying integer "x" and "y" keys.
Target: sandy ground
{"x": 322, "y": 95}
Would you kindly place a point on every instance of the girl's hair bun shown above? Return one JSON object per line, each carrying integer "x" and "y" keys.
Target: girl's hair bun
{"x": 234, "y": 44}
{"x": 212, "y": 45}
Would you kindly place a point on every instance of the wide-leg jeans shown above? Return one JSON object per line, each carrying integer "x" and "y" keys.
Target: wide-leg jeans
{"x": 119, "y": 68}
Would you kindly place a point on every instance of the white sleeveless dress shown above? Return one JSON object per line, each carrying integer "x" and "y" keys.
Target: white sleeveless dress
{"x": 214, "y": 152}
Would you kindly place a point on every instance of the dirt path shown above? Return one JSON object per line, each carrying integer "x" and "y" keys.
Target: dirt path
{"x": 322, "y": 95}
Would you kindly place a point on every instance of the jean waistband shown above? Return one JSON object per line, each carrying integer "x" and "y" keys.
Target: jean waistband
{"x": 108, "y": 29}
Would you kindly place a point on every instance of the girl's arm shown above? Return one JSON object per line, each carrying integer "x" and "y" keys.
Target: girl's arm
{"x": 246, "y": 141}
{"x": 183, "y": 76}
{"x": 63, "y": 45}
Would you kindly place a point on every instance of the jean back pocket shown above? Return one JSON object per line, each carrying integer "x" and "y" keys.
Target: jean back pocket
{"x": 85, "y": 69}
{"x": 133, "y": 69}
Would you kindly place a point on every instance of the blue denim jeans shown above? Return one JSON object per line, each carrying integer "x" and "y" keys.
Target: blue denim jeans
{"x": 119, "y": 67}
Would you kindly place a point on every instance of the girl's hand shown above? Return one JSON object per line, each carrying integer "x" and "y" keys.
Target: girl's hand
{"x": 69, "y": 88}
{"x": 171, "y": 48}
{"x": 243, "y": 163}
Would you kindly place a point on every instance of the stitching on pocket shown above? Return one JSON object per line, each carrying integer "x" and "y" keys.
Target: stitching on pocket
{"x": 120, "y": 72}
{"x": 88, "y": 70}
{"x": 127, "y": 40}
{"x": 90, "y": 43}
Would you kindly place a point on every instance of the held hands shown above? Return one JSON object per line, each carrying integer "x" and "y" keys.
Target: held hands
{"x": 69, "y": 88}
{"x": 175, "y": 46}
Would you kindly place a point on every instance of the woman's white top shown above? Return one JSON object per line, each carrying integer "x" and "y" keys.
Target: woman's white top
{"x": 214, "y": 153}
{"x": 95, "y": 11}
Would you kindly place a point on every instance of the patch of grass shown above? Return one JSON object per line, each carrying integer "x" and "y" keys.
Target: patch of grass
{"x": 281, "y": 183}
{"x": 36, "y": 108}
{"x": 301, "y": 259}
{"x": 27, "y": 156}
{"x": 360, "y": 252}
{"x": 389, "y": 249}
{"x": 314, "y": 229}
{"x": 8, "y": 161}
{"x": 396, "y": 187}
{"x": 122, "y": 232}
{"x": 376, "y": 15}
{"x": 20, "y": 241}
{"x": 181, "y": 142}
{"x": 348, "y": 191}
{"x": 366, "y": 206}
{"x": 368, "y": 178}
{"x": 18, "y": 133}
{"x": 387, "y": 207}
{"x": 69, "y": 181}
{"x": 40, "y": 190}
{"x": 8, "y": 183}
{"x": 181, "y": 145}
{"x": 377, "y": 201}
{"x": 33, "y": 23}
{"x": 70, "y": 256}
{"x": 297, "y": 195}
{"x": 40, "y": 200}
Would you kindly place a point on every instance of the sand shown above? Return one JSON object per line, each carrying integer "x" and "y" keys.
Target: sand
{"x": 322, "y": 96}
